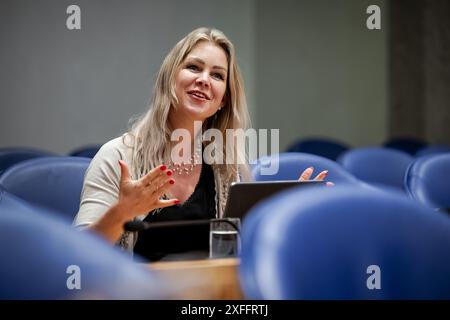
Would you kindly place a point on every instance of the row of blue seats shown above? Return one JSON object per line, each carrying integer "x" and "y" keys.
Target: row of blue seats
{"x": 356, "y": 240}
{"x": 345, "y": 242}
{"x": 13, "y": 155}
{"x": 56, "y": 182}
{"x": 44, "y": 257}
{"x": 333, "y": 149}
{"x": 425, "y": 179}
{"x": 325, "y": 147}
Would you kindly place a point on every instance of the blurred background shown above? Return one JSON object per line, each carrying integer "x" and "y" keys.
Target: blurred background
{"x": 311, "y": 67}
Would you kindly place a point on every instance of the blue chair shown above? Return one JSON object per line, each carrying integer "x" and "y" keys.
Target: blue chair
{"x": 12, "y": 156}
{"x": 427, "y": 180}
{"x": 406, "y": 144}
{"x": 326, "y": 148}
{"x": 87, "y": 151}
{"x": 54, "y": 182}
{"x": 433, "y": 149}
{"x": 376, "y": 165}
{"x": 291, "y": 164}
{"x": 345, "y": 242}
{"x": 42, "y": 256}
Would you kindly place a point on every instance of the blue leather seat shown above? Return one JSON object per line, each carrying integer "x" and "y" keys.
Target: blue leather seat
{"x": 12, "y": 156}
{"x": 40, "y": 255}
{"x": 427, "y": 180}
{"x": 323, "y": 147}
{"x": 291, "y": 164}
{"x": 376, "y": 165}
{"x": 406, "y": 144}
{"x": 433, "y": 149}
{"x": 54, "y": 182}
{"x": 88, "y": 151}
{"x": 345, "y": 242}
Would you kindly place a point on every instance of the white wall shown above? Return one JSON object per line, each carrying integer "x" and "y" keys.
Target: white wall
{"x": 61, "y": 89}
{"x": 320, "y": 71}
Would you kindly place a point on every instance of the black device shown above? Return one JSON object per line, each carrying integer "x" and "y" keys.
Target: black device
{"x": 242, "y": 196}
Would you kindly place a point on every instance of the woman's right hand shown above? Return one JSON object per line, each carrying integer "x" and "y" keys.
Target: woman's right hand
{"x": 137, "y": 197}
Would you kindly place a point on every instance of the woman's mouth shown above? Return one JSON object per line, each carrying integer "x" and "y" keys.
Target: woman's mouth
{"x": 198, "y": 95}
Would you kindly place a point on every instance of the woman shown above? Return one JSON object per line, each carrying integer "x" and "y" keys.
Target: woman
{"x": 133, "y": 176}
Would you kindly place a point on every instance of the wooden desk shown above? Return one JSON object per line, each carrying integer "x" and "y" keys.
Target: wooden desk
{"x": 204, "y": 279}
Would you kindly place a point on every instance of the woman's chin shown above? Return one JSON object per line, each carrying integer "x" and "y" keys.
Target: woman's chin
{"x": 197, "y": 112}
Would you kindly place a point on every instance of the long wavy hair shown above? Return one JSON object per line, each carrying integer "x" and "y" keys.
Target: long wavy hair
{"x": 150, "y": 134}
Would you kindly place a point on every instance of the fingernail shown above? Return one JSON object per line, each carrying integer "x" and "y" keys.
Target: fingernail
{"x": 171, "y": 181}
{"x": 325, "y": 173}
{"x": 169, "y": 173}
{"x": 176, "y": 201}
{"x": 311, "y": 168}
{"x": 163, "y": 167}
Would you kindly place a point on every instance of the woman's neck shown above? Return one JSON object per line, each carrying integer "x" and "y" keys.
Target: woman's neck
{"x": 193, "y": 128}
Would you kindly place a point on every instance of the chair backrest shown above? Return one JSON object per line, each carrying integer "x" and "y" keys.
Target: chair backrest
{"x": 291, "y": 164}
{"x": 427, "y": 180}
{"x": 406, "y": 144}
{"x": 345, "y": 242}
{"x": 54, "y": 182}
{"x": 326, "y": 148}
{"x": 12, "y": 156}
{"x": 45, "y": 258}
{"x": 376, "y": 165}
{"x": 86, "y": 151}
{"x": 433, "y": 149}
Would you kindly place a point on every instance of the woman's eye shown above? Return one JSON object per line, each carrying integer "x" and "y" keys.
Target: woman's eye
{"x": 192, "y": 67}
{"x": 218, "y": 76}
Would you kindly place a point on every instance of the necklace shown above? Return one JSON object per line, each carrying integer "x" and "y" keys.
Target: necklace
{"x": 186, "y": 167}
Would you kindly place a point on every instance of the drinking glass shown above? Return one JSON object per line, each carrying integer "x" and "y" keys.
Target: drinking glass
{"x": 224, "y": 238}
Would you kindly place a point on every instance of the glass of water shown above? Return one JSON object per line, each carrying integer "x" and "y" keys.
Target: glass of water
{"x": 224, "y": 239}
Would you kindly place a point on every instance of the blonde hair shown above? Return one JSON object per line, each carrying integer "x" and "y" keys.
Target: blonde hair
{"x": 151, "y": 133}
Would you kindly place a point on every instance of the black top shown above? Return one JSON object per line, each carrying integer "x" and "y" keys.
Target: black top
{"x": 154, "y": 244}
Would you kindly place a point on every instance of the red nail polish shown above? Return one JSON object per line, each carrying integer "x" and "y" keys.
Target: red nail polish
{"x": 169, "y": 173}
{"x": 163, "y": 167}
{"x": 171, "y": 181}
{"x": 176, "y": 201}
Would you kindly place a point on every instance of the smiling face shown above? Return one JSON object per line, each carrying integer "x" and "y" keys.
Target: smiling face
{"x": 201, "y": 82}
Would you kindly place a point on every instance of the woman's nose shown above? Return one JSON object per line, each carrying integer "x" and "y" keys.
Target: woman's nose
{"x": 203, "y": 79}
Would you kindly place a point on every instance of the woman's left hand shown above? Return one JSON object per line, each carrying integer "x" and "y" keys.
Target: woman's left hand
{"x": 306, "y": 175}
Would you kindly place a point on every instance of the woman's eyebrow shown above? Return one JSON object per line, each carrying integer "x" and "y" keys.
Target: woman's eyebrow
{"x": 203, "y": 63}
